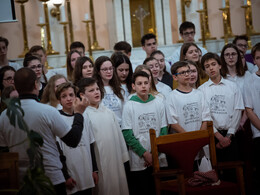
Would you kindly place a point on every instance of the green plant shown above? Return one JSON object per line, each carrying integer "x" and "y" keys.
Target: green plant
{"x": 35, "y": 181}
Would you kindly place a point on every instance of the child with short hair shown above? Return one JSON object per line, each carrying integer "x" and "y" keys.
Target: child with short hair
{"x": 80, "y": 161}
{"x": 141, "y": 113}
{"x": 226, "y": 105}
{"x": 186, "y": 107}
{"x": 110, "y": 146}
{"x": 252, "y": 105}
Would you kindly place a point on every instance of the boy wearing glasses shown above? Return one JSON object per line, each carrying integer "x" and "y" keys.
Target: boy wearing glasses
{"x": 186, "y": 107}
{"x": 187, "y": 33}
{"x": 242, "y": 44}
{"x": 226, "y": 104}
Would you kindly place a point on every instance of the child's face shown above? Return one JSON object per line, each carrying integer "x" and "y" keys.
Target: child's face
{"x": 257, "y": 59}
{"x": 87, "y": 70}
{"x": 122, "y": 72}
{"x": 161, "y": 61}
{"x": 141, "y": 86}
{"x": 106, "y": 71}
{"x": 67, "y": 98}
{"x": 183, "y": 75}
{"x": 93, "y": 94}
{"x": 73, "y": 59}
{"x": 231, "y": 56}
{"x": 36, "y": 66}
{"x": 193, "y": 74}
{"x": 155, "y": 68}
{"x": 212, "y": 68}
{"x": 192, "y": 54}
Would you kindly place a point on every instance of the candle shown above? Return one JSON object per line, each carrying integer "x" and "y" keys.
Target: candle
{"x": 201, "y": 5}
{"x": 63, "y": 16}
{"x": 223, "y": 3}
{"x": 86, "y": 16}
{"x": 41, "y": 20}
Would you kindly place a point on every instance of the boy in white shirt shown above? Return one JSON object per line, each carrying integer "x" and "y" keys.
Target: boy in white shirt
{"x": 226, "y": 104}
{"x": 80, "y": 161}
{"x": 252, "y": 105}
{"x": 186, "y": 107}
{"x": 141, "y": 113}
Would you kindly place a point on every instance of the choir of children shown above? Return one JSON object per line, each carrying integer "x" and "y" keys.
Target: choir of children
{"x": 111, "y": 110}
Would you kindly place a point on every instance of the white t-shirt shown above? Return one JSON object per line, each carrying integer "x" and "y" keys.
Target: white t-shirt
{"x": 163, "y": 89}
{"x": 140, "y": 117}
{"x": 113, "y": 102}
{"x": 78, "y": 160}
{"x": 224, "y": 100}
{"x": 15, "y": 65}
{"x": 252, "y": 98}
{"x": 239, "y": 80}
{"x": 45, "y": 120}
{"x": 125, "y": 93}
{"x": 251, "y": 67}
{"x": 189, "y": 110}
{"x": 176, "y": 54}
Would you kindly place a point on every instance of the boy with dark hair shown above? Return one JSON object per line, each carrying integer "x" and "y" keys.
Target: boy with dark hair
{"x": 186, "y": 107}
{"x": 241, "y": 42}
{"x": 80, "y": 161}
{"x": 149, "y": 43}
{"x": 123, "y": 47}
{"x": 79, "y": 46}
{"x": 251, "y": 100}
{"x": 141, "y": 113}
{"x": 187, "y": 33}
{"x": 3, "y": 55}
{"x": 110, "y": 147}
{"x": 226, "y": 104}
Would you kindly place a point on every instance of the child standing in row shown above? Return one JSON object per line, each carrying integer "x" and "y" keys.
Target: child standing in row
{"x": 141, "y": 113}
{"x": 110, "y": 148}
{"x": 80, "y": 161}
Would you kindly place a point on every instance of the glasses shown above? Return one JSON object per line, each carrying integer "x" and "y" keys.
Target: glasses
{"x": 193, "y": 71}
{"x": 228, "y": 55}
{"x": 9, "y": 79}
{"x": 186, "y": 34}
{"x": 242, "y": 45}
{"x": 107, "y": 69}
{"x": 36, "y": 66}
{"x": 187, "y": 72}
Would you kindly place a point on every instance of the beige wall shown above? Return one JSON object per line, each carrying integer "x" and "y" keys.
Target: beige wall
{"x": 13, "y": 31}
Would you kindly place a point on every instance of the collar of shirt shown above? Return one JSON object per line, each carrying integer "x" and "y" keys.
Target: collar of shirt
{"x": 222, "y": 81}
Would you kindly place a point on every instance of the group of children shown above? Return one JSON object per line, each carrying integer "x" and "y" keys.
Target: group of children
{"x": 114, "y": 151}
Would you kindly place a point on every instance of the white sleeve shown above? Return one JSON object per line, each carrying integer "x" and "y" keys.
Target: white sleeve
{"x": 127, "y": 116}
{"x": 163, "y": 115}
{"x": 238, "y": 104}
{"x": 247, "y": 95}
{"x": 58, "y": 126}
{"x": 236, "y": 117}
{"x": 205, "y": 109}
{"x": 171, "y": 113}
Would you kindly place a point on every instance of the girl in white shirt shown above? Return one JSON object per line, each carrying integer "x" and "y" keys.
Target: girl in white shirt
{"x": 124, "y": 71}
{"x": 109, "y": 84}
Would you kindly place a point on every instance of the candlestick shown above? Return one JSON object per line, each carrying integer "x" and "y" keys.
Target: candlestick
{"x": 65, "y": 31}
{"x": 226, "y": 20}
{"x": 206, "y": 24}
{"x": 95, "y": 45}
{"x": 202, "y": 27}
{"x": 25, "y": 39}
{"x": 225, "y": 24}
{"x": 183, "y": 16}
{"x": 249, "y": 19}
{"x": 70, "y": 21}
{"x": 42, "y": 25}
{"x": 49, "y": 50}
{"x": 89, "y": 38}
